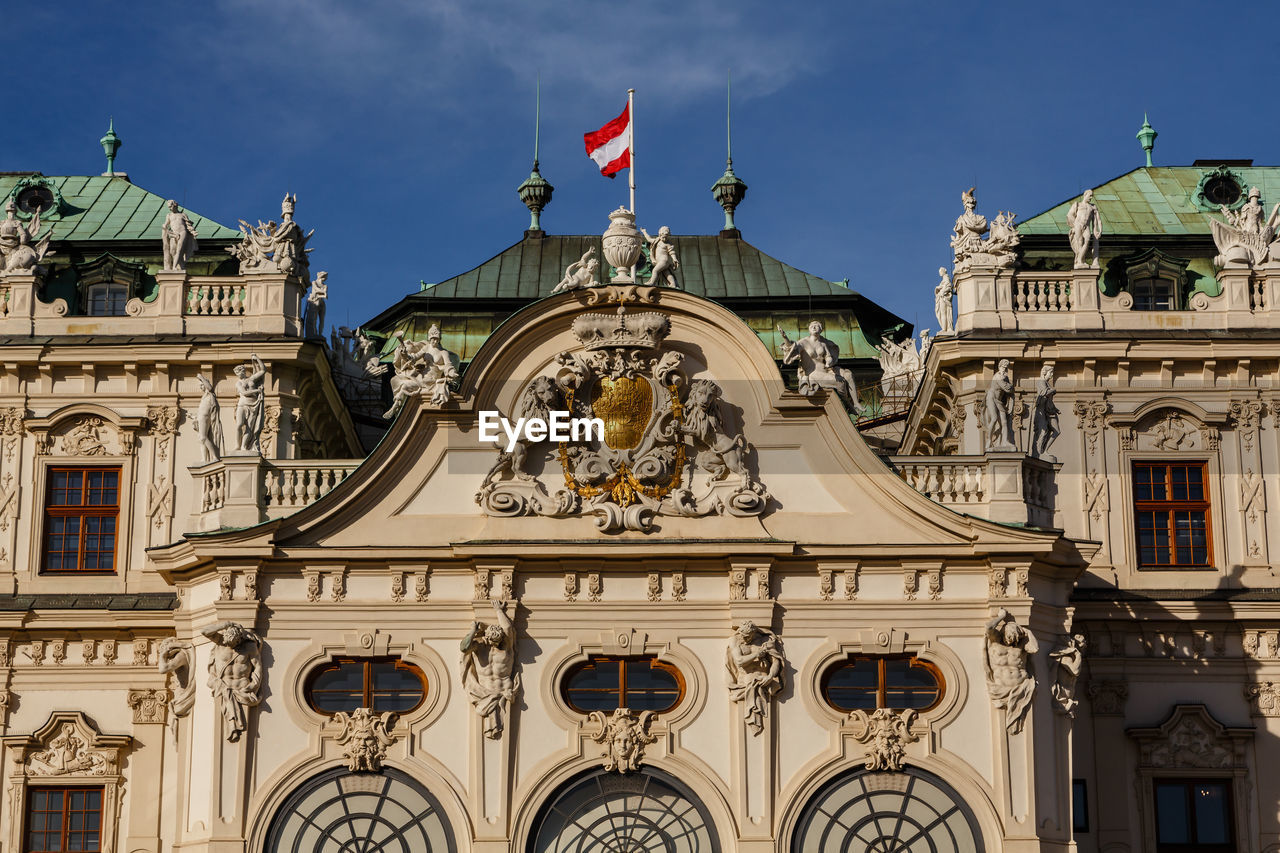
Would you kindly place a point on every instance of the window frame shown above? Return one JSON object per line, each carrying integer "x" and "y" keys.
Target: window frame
{"x": 1188, "y": 783}
{"x": 621, "y": 660}
{"x": 338, "y": 661}
{"x": 107, "y": 287}
{"x": 1170, "y": 507}
{"x": 66, "y": 791}
{"x": 48, "y": 512}
{"x": 881, "y": 685}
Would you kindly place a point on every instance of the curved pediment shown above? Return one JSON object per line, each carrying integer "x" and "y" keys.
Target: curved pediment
{"x": 701, "y": 443}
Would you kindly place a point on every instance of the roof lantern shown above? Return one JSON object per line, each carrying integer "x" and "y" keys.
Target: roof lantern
{"x": 111, "y": 144}
{"x": 1147, "y": 137}
{"x": 536, "y": 191}
{"x": 730, "y": 189}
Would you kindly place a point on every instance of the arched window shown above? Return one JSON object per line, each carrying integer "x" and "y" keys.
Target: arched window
{"x": 342, "y": 812}
{"x": 641, "y": 683}
{"x": 884, "y": 681}
{"x": 106, "y": 299}
{"x": 381, "y": 684}
{"x": 644, "y": 812}
{"x": 907, "y": 812}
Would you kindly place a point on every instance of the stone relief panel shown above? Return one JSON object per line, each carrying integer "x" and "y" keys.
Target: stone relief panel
{"x": 1191, "y": 738}
{"x": 624, "y": 736}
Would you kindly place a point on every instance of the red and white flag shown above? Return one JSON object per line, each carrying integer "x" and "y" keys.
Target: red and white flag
{"x": 610, "y": 146}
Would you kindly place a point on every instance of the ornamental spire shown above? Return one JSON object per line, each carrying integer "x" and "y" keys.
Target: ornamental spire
{"x": 111, "y": 144}
{"x": 730, "y": 189}
{"x": 1147, "y": 137}
{"x": 536, "y": 192}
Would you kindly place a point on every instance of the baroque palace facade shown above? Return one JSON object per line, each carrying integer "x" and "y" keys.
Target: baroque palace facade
{"x": 260, "y": 591}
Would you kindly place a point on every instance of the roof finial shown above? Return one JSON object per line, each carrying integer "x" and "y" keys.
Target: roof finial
{"x": 535, "y": 192}
{"x": 1147, "y": 137}
{"x": 111, "y": 144}
{"x": 730, "y": 189}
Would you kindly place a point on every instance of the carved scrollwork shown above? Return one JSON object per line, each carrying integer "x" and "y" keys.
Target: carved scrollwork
{"x": 624, "y": 736}
{"x": 663, "y": 447}
{"x": 365, "y": 737}
{"x": 885, "y": 732}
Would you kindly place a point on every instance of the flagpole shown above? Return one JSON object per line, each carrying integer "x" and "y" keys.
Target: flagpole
{"x": 631, "y": 150}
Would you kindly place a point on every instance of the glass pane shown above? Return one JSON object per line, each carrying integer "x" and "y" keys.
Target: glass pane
{"x": 388, "y": 676}
{"x": 593, "y": 676}
{"x": 603, "y": 701}
{"x": 347, "y": 676}
{"x": 1213, "y": 822}
{"x": 649, "y": 687}
{"x": 854, "y": 685}
{"x": 332, "y": 703}
{"x": 1079, "y": 806}
{"x": 398, "y": 701}
{"x": 65, "y": 488}
{"x": 1172, "y": 820}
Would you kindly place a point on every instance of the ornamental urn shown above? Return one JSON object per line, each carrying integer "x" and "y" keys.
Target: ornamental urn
{"x": 622, "y": 244}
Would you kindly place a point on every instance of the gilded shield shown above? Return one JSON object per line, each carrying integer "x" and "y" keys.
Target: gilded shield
{"x": 625, "y": 405}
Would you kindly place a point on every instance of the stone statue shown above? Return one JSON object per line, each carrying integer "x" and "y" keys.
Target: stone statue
{"x": 967, "y": 242}
{"x": 178, "y": 237}
{"x": 581, "y": 273}
{"x": 366, "y": 736}
{"x": 1044, "y": 420}
{"x": 969, "y": 229}
{"x": 816, "y": 359}
{"x": 235, "y": 675}
{"x": 662, "y": 255}
{"x": 1085, "y": 228}
{"x": 314, "y": 321}
{"x": 422, "y": 368}
{"x": 251, "y": 405}
{"x": 488, "y": 669}
{"x": 997, "y": 416}
{"x": 19, "y": 248}
{"x": 1245, "y": 237}
{"x": 925, "y": 343}
{"x": 900, "y": 366}
{"x": 624, "y": 736}
{"x": 176, "y": 657}
{"x": 274, "y": 248}
{"x": 942, "y": 295}
{"x": 755, "y": 664}
{"x": 1068, "y": 661}
{"x": 538, "y": 400}
{"x": 209, "y": 421}
{"x": 288, "y": 242}
{"x": 1010, "y": 682}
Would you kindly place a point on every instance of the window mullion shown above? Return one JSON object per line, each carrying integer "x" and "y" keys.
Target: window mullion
{"x": 882, "y": 695}
{"x": 622, "y": 683}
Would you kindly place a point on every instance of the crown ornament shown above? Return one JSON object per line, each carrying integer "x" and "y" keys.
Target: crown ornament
{"x": 622, "y": 330}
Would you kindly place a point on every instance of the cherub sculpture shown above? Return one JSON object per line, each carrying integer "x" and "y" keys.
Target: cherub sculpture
{"x": 663, "y": 257}
{"x": 581, "y": 273}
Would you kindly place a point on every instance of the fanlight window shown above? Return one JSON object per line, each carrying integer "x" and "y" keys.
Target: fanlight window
{"x": 341, "y": 812}
{"x": 908, "y": 812}
{"x": 897, "y": 682}
{"x": 382, "y": 684}
{"x": 106, "y": 299}
{"x": 641, "y": 683}
{"x": 636, "y": 813}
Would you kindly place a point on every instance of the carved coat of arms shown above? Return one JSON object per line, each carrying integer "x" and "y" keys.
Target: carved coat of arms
{"x": 667, "y": 447}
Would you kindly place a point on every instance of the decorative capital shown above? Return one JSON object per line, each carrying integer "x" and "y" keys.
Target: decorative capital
{"x": 1108, "y": 697}
{"x": 1264, "y": 698}
{"x": 149, "y": 705}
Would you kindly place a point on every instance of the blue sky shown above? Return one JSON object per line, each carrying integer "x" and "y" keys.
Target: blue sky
{"x": 404, "y": 127}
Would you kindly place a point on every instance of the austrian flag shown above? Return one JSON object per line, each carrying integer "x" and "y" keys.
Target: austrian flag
{"x": 610, "y": 146}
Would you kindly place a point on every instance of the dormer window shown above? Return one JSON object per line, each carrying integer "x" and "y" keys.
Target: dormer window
{"x": 1157, "y": 282}
{"x": 106, "y": 299}
{"x": 106, "y": 284}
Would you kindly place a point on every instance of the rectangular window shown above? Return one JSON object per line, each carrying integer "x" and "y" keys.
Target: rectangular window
{"x": 1079, "y": 806}
{"x": 81, "y": 510}
{"x": 1171, "y": 515}
{"x": 60, "y": 820}
{"x": 1193, "y": 816}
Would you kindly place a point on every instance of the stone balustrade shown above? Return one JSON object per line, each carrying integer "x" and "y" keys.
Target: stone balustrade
{"x": 242, "y": 490}
{"x": 1008, "y": 487}
{"x": 991, "y": 299}
{"x": 270, "y": 303}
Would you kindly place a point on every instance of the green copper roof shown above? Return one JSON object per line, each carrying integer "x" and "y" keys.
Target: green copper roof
{"x": 1158, "y": 201}
{"x": 109, "y": 208}
{"x": 762, "y": 290}
{"x": 714, "y": 267}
